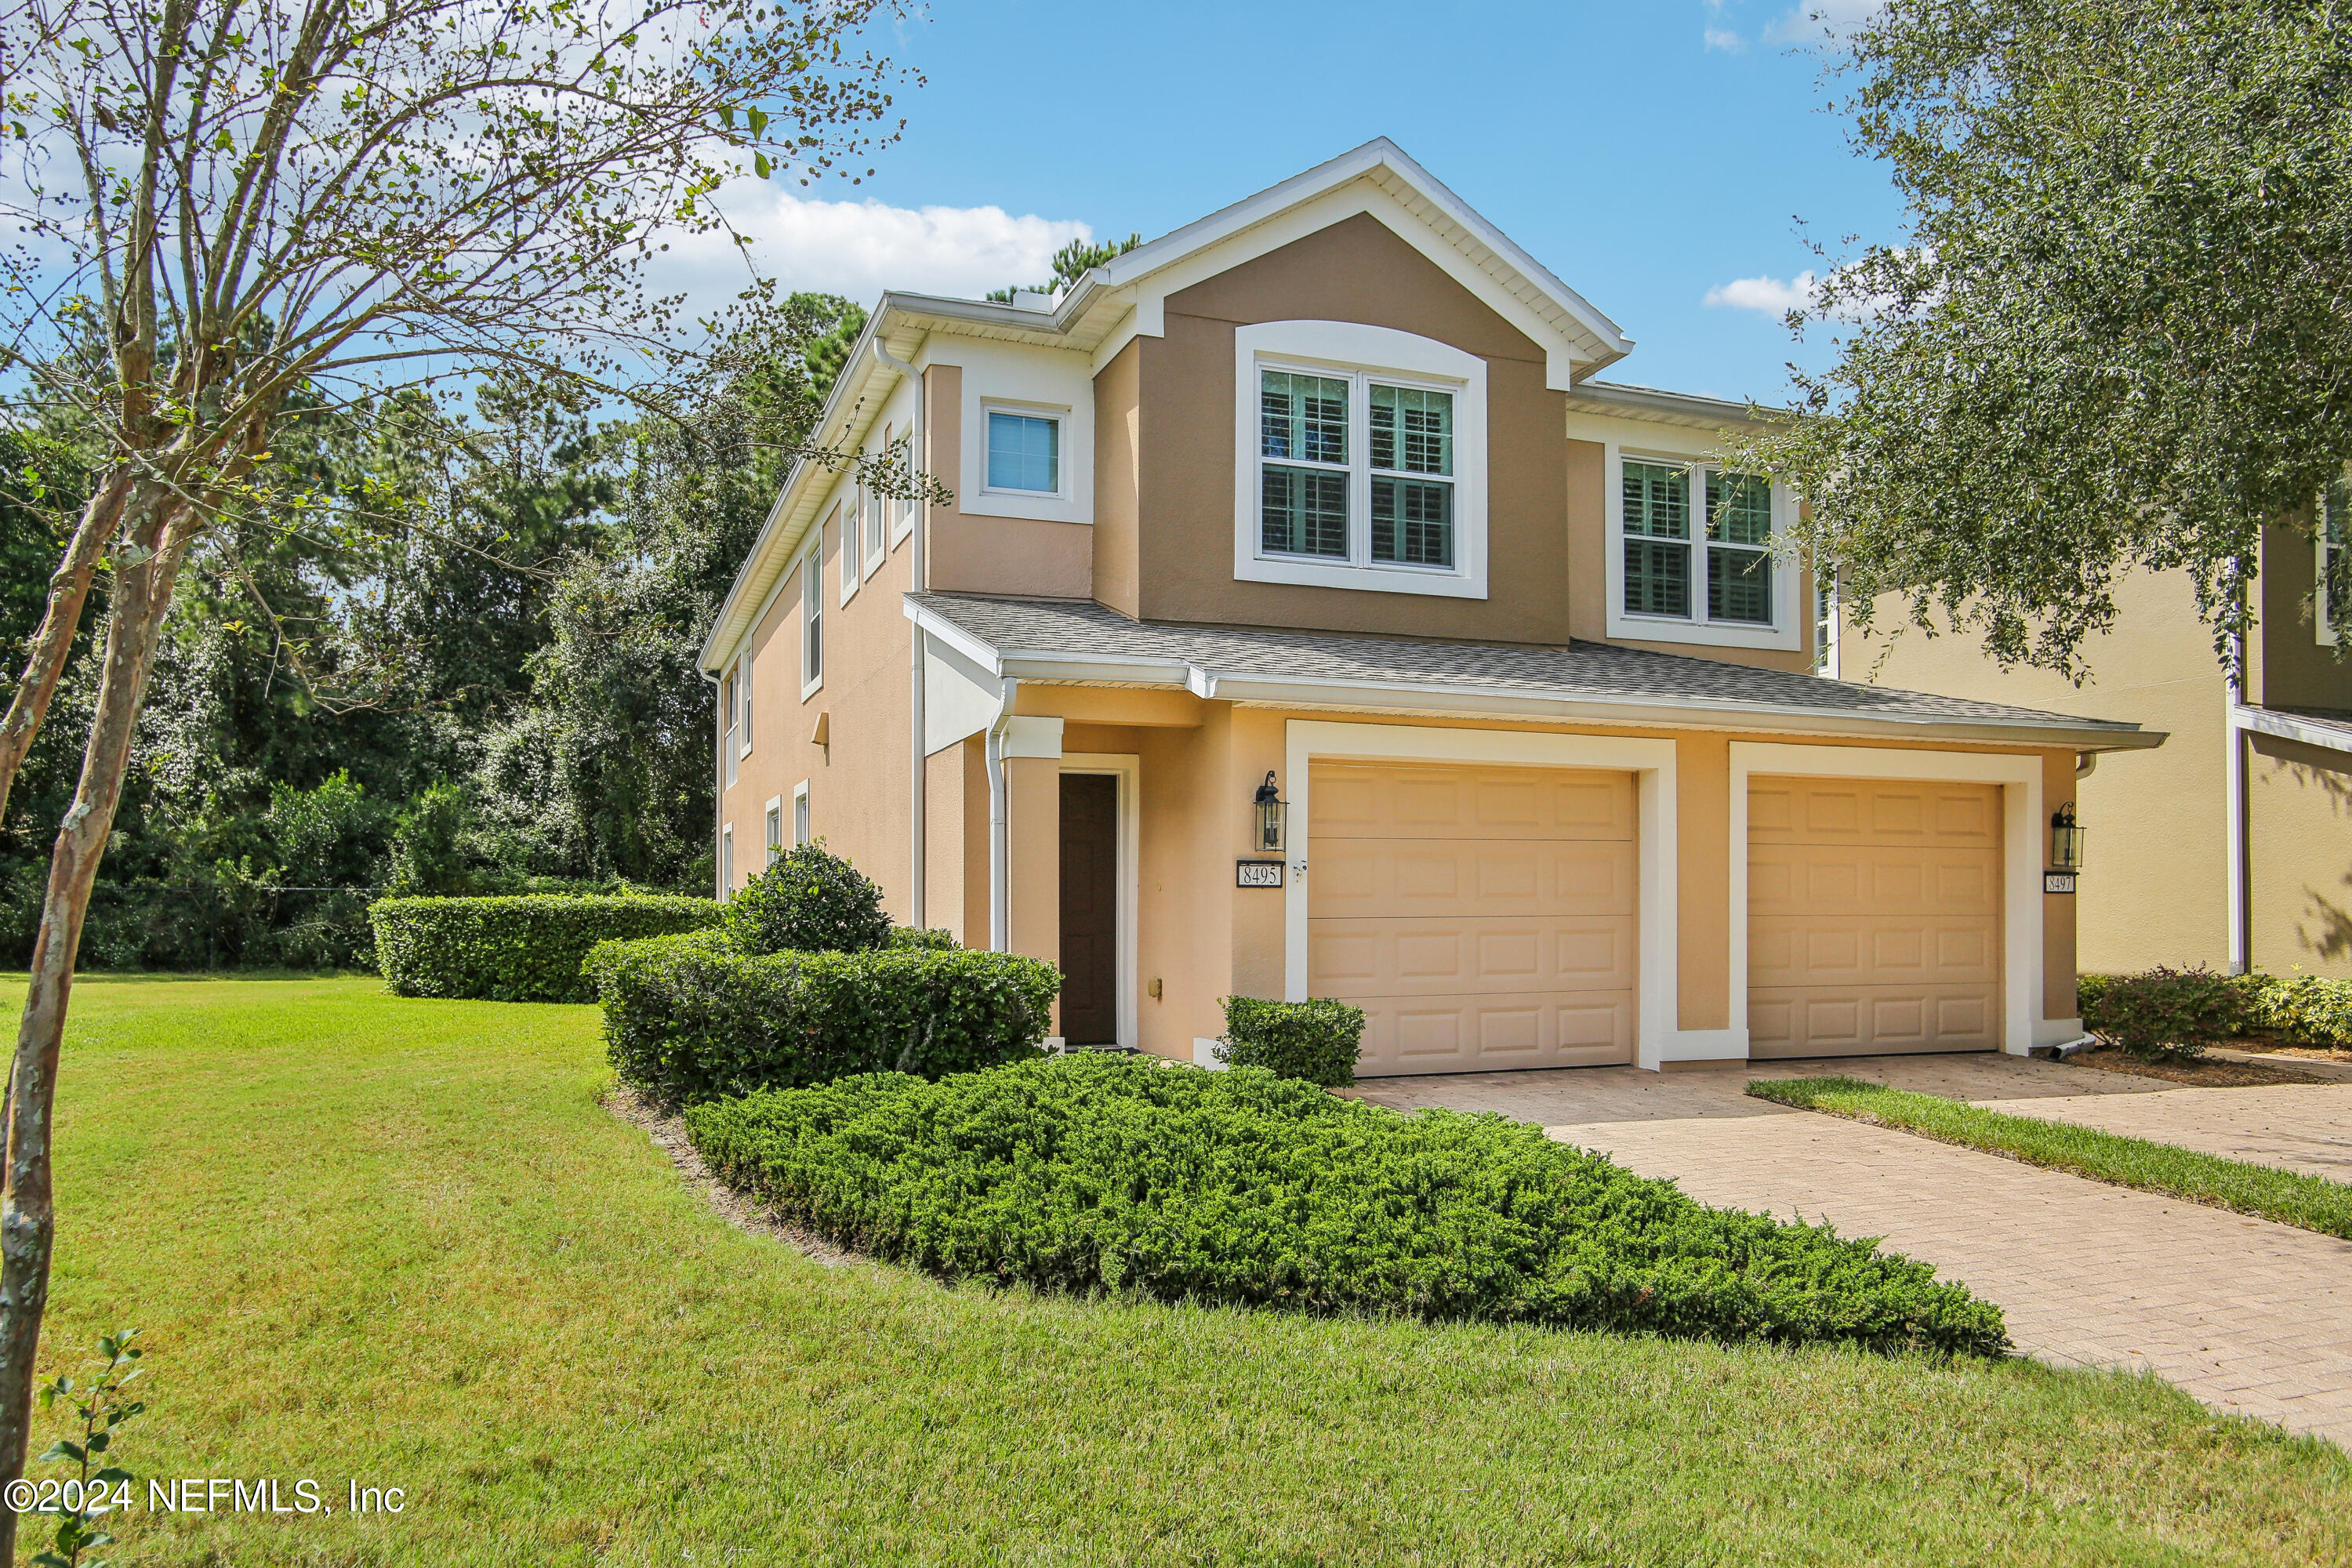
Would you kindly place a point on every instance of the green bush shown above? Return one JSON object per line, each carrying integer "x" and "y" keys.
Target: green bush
{"x": 522, "y": 949}
{"x": 2166, "y": 1013}
{"x": 690, "y": 1017}
{"x": 810, "y": 900}
{"x": 2301, "y": 1010}
{"x": 1099, "y": 1172}
{"x": 914, "y": 939}
{"x": 1316, "y": 1041}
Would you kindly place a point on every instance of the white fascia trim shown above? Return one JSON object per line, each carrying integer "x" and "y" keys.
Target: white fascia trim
{"x": 1605, "y": 341}
{"x": 1349, "y": 349}
{"x": 2024, "y": 1026}
{"x": 2291, "y": 727}
{"x": 1659, "y": 1036}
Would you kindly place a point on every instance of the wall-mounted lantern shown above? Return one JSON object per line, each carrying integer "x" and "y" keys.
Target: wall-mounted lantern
{"x": 1271, "y": 811}
{"x": 2065, "y": 839}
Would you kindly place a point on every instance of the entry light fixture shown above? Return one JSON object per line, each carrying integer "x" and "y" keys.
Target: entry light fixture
{"x": 2065, "y": 839}
{"x": 1271, "y": 810}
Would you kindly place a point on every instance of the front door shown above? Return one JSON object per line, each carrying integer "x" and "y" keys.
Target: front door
{"x": 1091, "y": 909}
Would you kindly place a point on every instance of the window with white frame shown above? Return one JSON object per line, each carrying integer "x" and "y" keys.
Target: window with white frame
{"x": 730, "y": 711}
{"x": 2333, "y": 568}
{"x": 1693, "y": 556}
{"x": 775, "y": 831}
{"x": 800, "y": 814}
{"x": 1025, "y": 452}
{"x": 846, "y": 520}
{"x": 1362, "y": 475}
{"x": 877, "y": 518}
{"x": 743, "y": 696}
{"x": 812, "y": 620}
{"x": 1825, "y": 622}
{"x": 905, "y": 508}
{"x": 726, "y": 862}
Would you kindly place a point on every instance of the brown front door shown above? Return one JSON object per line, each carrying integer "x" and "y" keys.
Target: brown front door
{"x": 1091, "y": 909}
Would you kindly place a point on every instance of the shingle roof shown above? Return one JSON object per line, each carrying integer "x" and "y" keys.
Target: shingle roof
{"x": 1080, "y": 631}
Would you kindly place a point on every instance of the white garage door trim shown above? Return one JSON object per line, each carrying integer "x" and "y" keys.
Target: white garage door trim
{"x": 2020, "y": 777}
{"x": 1651, "y": 763}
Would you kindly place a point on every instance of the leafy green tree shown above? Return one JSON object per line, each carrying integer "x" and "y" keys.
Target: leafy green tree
{"x": 1072, "y": 262}
{"x": 2114, "y": 336}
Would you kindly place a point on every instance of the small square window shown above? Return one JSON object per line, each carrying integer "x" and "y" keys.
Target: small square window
{"x": 1025, "y": 453}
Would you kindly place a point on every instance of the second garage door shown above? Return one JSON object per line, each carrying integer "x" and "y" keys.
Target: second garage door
{"x": 1873, "y": 916}
{"x": 1483, "y": 917}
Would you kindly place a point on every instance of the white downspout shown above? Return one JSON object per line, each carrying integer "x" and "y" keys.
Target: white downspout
{"x": 919, "y": 805}
{"x": 1000, "y": 905}
{"x": 2233, "y": 790}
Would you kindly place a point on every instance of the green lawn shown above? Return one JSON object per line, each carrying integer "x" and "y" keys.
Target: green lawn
{"x": 399, "y": 1241}
{"x": 2290, "y": 1198}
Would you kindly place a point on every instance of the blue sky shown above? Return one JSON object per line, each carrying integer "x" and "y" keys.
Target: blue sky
{"x": 1650, "y": 154}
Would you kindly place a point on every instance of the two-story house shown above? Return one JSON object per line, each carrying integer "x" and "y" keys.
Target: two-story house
{"x": 1307, "y": 620}
{"x": 2233, "y": 846}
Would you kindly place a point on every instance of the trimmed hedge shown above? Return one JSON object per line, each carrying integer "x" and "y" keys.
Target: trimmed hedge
{"x": 526, "y": 947}
{"x": 809, "y": 901}
{"x": 2297, "y": 1010}
{"x": 1316, "y": 1041}
{"x": 689, "y": 1017}
{"x": 1097, "y": 1172}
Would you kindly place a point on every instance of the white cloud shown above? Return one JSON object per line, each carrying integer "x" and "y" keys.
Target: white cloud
{"x": 1723, "y": 39}
{"x": 1768, "y": 295}
{"x": 860, "y": 248}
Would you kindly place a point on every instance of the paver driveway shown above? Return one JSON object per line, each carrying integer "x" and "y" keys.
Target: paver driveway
{"x": 2251, "y": 1317}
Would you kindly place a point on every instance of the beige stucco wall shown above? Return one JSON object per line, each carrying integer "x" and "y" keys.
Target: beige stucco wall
{"x": 1118, "y": 437}
{"x": 2155, "y": 882}
{"x": 2293, "y": 668}
{"x": 1356, "y": 270}
{"x": 2299, "y": 856}
{"x": 983, "y": 555}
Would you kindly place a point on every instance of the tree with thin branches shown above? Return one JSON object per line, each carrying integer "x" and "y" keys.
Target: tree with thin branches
{"x": 234, "y": 207}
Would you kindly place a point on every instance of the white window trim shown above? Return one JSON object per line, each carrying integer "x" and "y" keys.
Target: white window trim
{"x": 803, "y": 830}
{"x": 849, "y": 522}
{"x": 813, "y": 610}
{"x": 771, "y": 829}
{"x": 1364, "y": 354}
{"x": 743, "y": 703}
{"x": 729, "y": 736}
{"x": 873, "y": 507}
{"x": 902, "y": 522}
{"x": 1790, "y": 616}
{"x": 1127, "y": 768}
{"x": 726, "y": 862}
{"x": 1060, "y": 414}
{"x": 2321, "y": 628}
{"x": 2024, "y": 1026}
{"x": 1834, "y": 638}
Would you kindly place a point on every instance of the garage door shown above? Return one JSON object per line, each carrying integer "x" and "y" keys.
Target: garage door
{"x": 1483, "y": 917}
{"x": 1873, "y": 916}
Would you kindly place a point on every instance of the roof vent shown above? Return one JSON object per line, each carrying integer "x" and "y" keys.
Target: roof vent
{"x": 1032, "y": 299}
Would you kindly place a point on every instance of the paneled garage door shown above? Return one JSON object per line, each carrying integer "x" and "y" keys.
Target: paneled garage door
{"x": 1873, "y": 916}
{"x": 1482, "y": 917}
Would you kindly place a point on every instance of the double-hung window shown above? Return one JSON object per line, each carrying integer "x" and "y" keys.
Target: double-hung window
{"x": 2333, "y": 576}
{"x": 1356, "y": 468}
{"x": 732, "y": 711}
{"x": 811, "y": 621}
{"x": 1695, "y": 545}
{"x": 800, "y": 814}
{"x": 775, "y": 831}
{"x": 877, "y": 518}
{"x": 847, "y": 512}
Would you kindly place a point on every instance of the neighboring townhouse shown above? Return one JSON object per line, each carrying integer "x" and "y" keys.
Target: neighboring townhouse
{"x": 1307, "y": 621}
{"x": 2231, "y": 847}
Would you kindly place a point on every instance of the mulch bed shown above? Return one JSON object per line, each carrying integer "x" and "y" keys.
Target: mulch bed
{"x": 667, "y": 1129}
{"x": 2205, "y": 1074}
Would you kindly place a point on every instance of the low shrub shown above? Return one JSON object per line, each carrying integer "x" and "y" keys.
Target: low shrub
{"x": 810, "y": 900}
{"x": 2300, "y": 1009}
{"x": 1097, "y": 1171}
{"x": 522, "y": 949}
{"x": 915, "y": 939}
{"x": 690, "y": 1017}
{"x": 2165, "y": 1015}
{"x": 1316, "y": 1041}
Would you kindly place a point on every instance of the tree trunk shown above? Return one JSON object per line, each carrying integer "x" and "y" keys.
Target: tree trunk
{"x": 68, "y": 590}
{"x": 143, "y": 597}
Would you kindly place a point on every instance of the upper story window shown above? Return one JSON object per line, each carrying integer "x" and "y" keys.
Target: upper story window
{"x": 812, "y": 622}
{"x": 1025, "y": 453}
{"x": 731, "y": 716}
{"x": 1691, "y": 556}
{"x": 846, "y": 514}
{"x": 1368, "y": 474}
{"x": 2333, "y": 570}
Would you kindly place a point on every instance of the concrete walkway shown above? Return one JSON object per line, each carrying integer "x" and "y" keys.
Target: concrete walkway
{"x": 2252, "y": 1318}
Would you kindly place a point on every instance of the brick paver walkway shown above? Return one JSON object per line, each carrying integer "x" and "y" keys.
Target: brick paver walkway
{"x": 2301, "y": 1127}
{"x": 2251, "y": 1317}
